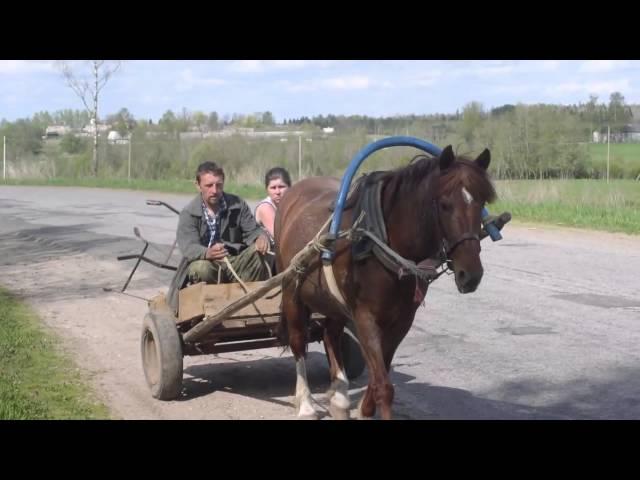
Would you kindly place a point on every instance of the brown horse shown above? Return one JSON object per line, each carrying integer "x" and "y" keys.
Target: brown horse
{"x": 432, "y": 210}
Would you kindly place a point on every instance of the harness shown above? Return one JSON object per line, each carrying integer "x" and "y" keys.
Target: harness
{"x": 369, "y": 237}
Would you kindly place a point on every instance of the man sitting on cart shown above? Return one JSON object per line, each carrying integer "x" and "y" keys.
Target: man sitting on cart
{"x": 216, "y": 225}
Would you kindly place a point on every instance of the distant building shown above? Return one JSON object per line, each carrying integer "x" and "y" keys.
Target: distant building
{"x": 115, "y": 138}
{"x": 56, "y": 131}
{"x": 628, "y": 134}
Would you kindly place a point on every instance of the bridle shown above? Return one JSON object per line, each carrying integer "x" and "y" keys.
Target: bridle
{"x": 448, "y": 247}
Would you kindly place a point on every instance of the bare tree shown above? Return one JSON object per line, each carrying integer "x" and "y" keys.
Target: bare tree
{"x": 88, "y": 89}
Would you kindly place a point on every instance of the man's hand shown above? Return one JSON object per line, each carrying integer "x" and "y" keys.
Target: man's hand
{"x": 262, "y": 244}
{"x": 216, "y": 252}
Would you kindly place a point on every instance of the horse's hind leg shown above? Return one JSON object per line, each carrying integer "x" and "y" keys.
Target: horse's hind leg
{"x": 338, "y": 393}
{"x": 297, "y": 316}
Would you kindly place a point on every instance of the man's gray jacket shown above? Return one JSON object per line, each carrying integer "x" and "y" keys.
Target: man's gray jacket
{"x": 238, "y": 230}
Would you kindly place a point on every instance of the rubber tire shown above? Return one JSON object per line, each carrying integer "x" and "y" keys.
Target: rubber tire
{"x": 351, "y": 352}
{"x": 161, "y": 350}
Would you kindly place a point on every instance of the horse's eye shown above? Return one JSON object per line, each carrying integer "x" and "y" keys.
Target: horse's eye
{"x": 446, "y": 206}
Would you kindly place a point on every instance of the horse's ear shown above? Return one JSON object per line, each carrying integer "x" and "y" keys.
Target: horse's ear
{"x": 446, "y": 157}
{"x": 484, "y": 159}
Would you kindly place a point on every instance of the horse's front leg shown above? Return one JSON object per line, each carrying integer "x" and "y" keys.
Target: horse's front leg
{"x": 338, "y": 393}
{"x": 380, "y": 391}
{"x": 296, "y": 316}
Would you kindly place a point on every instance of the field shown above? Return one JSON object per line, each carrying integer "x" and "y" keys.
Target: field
{"x": 624, "y": 159}
{"x": 576, "y": 203}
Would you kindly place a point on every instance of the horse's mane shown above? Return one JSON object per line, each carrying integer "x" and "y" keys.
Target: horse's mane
{"x": 462, "y": 173}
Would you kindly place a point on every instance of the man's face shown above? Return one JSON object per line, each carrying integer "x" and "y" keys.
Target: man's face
{"x": 211, "y": 187}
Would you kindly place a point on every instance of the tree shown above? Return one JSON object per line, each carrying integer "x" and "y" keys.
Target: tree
{"x": 168, "y": 122}
{"x": 212, "y": 121}
{"x": 199, "y": 119}
{"x": 618, "y": 113}
{"x": 267, "y": 119}
{"x": 472, "y": 115}
{"x": 122, "y": 122}
{"x": 88, "y": 88}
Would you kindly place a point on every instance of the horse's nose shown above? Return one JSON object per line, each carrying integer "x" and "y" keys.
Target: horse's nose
{"x": 468, "y": 281}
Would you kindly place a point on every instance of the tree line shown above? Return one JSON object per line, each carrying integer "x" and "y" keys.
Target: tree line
{"x": 527, "y": 141}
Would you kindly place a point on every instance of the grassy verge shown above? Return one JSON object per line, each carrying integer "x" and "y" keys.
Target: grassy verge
{"x": 592, "y": 204}
{"x": 36, "y": 380}
{"x": 172, "y": 186}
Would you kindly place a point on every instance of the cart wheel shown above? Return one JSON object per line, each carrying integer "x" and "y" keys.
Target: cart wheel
{"x": 351, "y": 353}
{"x": 161, "y": 350}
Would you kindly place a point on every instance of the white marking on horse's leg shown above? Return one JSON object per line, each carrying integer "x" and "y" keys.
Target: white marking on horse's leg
{"x": 303, "y": 400}
{"x": 339, "y": 403}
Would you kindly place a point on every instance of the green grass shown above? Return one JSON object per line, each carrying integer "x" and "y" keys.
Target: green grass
{"x": 37, "y": 381}
{"x": 590, "y": 204}
{"x": 577, "y": 203}
{"x": 624, "y": 158}
{"x": 174, "y": 186}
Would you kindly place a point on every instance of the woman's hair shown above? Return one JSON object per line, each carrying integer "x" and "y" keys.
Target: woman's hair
{"x": 275, "y": 173}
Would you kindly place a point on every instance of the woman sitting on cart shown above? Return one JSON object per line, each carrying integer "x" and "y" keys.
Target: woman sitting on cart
{"x": 216, "y": 225}
{"x": 277, "y": 181}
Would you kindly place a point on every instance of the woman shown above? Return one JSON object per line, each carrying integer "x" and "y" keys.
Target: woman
{"x": 276, "y": 181}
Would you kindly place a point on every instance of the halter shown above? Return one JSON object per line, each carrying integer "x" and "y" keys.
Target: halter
{"x": 449, "y": 247}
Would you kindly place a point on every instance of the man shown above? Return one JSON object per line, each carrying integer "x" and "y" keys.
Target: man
{"x": 215, "y": 225}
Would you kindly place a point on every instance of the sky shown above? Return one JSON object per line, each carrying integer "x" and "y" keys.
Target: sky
{"x": 295, "y": 88}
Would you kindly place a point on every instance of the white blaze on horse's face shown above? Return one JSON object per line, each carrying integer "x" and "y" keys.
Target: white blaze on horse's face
{"x": 467, "y": 196}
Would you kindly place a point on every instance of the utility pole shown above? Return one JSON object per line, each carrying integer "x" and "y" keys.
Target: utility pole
{"x": 608, "y": 149}
{"x": 299, "y": 157}
{"x": 129, "y": 170}
{"x": 4, "y": 157}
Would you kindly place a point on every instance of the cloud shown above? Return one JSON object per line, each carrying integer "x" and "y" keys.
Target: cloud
{"x": 601, "y": 88}
{"x": 249, "y": 66}
{"x": 599, "y": 66}
{"x": 25, "y": 66}
{"x": 347, "y": 82}
{"x": 188, "y": 80}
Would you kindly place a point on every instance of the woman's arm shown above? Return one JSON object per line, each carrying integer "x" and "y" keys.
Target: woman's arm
{"x": 266, "y": 215}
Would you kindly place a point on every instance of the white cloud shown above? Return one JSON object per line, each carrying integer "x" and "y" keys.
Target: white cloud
{"x": 513, "y": 89}
{"x": 265, "y": 65}
{"x": 601, "y": 88}
{"x": 25, "y": 66}
{"x": 188, "y": 81}
{"x": 347, "y": 82}
{"x": 545, "y": 65}
{"x": 488, "y": 69}
{"x": 598, "y": 66}
{"x": 425, "y": 79}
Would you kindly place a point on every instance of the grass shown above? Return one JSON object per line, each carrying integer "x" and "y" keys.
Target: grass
{"x": 174, "y": 186}
{"x": 37, "y": 381}
{"x": 590, "y": 204}
{"x": 624, "y": 158}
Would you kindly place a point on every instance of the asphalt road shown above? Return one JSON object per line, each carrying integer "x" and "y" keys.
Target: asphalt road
{"x": 551, "y": 333}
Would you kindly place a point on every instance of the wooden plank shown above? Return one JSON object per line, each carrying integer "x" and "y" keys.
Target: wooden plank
{"x": 190, "y": 302}
{"x": 203, "y": 299}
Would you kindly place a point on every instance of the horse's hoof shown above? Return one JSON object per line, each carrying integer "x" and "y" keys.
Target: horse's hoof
{"x": 338, "y": 413}
{"x": 308, "y": 416}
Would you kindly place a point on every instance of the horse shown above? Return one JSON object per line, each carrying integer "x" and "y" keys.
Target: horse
{"x": 432, "y": 212}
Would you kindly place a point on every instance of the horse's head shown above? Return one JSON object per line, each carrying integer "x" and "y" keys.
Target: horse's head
{"x": 463, "y": 190}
